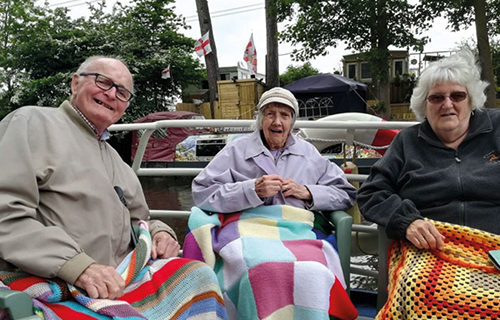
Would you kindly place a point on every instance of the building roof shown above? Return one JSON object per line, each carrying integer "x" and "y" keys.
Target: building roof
{"x": 394, "y": 54}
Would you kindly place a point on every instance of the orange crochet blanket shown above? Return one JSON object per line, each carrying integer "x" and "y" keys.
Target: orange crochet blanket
{"x": 458, "y": 282}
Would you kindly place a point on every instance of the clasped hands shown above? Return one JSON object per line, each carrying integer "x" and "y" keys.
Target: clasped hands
{"x": 101, "y": 281}
{"x": 269, "y": 185}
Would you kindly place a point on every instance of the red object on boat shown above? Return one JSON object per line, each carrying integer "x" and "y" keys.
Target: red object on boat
{"x": 161, "y": 145}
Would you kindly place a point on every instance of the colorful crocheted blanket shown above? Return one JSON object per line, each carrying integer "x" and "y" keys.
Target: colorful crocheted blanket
{"x": 162, "y": 289}
{"x": 270, "y": 264}
{"x": 458, "y": 282}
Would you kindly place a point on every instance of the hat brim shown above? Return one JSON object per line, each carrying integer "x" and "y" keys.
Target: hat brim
{"x": 283, "y": 101}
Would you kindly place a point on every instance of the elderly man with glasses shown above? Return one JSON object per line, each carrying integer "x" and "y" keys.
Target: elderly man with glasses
{"x": 68, "y": 202}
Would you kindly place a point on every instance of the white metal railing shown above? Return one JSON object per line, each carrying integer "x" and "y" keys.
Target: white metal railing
{"x": 149, "y": 128}
{"x": 350, "y": 127}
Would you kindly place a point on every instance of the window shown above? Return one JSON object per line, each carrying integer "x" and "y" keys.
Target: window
{"x": 160, "y": 133}
{"x": 352, "y": 70}
{"x": 140, "y": 132}
{"x": 398, "y": 67}
{"x": 209, "y": 147}
{"x": 365, "y": 71}
{"x": 315, "y": 108}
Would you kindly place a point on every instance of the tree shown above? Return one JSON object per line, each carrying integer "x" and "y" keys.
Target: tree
{"x": 495, "y": 54}
{"x": 146, "y": 34}
{"x": 45, "y": 53}
{"x": 485, "y": 15}
{"x": 368, "y": 26}
{"x": 211, "y": 58}
{"x": 272, "y": 59}
{"x": 295, "y": 73}
{"x": 16, "y": 16}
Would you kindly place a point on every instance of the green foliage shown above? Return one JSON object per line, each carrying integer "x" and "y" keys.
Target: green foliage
{"x": 364, "y": 25}
{"x": 295, "y": 73}
{"x": 378, "y": 109}
{"x": 495, "y": 54}
{"x": 460, "y": 13}
{"x": 371, "y": 26}
{"x": 404, "y": 85}
{"x": 41, "y": 48}
{"x": 55, "y": 89}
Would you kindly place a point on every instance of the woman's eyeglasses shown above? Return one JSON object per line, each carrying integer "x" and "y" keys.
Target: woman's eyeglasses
{"x": 106, "y": 83}
{"x": 455, "y": 96}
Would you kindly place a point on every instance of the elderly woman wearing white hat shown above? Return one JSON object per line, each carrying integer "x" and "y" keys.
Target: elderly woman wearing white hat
{"x": 272, "y": 166}
{"x": 270, "y": 261}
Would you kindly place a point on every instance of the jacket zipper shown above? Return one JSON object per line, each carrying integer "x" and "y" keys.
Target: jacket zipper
{"x": 461, "y": 213}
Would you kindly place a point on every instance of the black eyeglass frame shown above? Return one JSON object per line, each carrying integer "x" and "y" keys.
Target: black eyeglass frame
{"x": 118, "y": 88}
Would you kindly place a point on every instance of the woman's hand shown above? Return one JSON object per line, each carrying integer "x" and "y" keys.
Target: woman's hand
{"x": 292, "y": 189}
{"x": 164, "y": 246}
{"x": 424, "y": 235}
{"x": 268, "y": 185}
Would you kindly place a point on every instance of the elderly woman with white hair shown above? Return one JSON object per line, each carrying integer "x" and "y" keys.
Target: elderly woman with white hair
{"x": 255, "y": 226}
{"x": 444, "y": 168}
{"x": 272, "y": 166}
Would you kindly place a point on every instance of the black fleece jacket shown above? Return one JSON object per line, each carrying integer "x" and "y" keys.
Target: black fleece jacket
{"x": 420, "y": 177}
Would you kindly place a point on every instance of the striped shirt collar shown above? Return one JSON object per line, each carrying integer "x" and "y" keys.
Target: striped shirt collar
{"x": 104, "y": 136}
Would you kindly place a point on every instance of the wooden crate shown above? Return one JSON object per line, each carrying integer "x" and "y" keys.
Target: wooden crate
{"x": 203, "y": 109}
{"x": 402, "y": 112}
{"x": 237, "y": 99}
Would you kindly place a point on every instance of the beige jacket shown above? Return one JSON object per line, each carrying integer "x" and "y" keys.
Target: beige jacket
{"x": 59, "y": 211}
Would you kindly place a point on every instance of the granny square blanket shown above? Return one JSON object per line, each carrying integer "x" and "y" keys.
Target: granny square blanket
{"x": 269, "y": 263}
{"x": 458, "y": 282}
{"x": 159, "y": 289}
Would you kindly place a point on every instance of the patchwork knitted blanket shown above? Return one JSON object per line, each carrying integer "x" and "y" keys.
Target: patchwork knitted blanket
{"x": 269, "y": 263}
{"x": 162, "y": 289}
{"x": 458, "y": 282}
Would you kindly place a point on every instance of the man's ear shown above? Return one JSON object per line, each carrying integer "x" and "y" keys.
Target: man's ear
{"x": 74, "y": 82}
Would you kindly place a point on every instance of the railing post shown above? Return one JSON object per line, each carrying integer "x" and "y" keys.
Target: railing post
{"x": 141, "y": 149}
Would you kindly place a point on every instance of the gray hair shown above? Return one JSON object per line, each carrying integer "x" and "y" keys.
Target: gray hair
{"x": 92, "y": 59}
{"x": 462, "y": 68}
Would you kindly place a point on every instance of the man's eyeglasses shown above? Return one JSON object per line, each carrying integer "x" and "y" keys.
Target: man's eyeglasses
{"x": 455, "y": 96}
{"x": 106, "y": 84}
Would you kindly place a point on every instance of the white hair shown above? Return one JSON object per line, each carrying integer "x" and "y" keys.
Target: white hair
{"x": 92, "y": 59}
{"x": 462, "y": 68}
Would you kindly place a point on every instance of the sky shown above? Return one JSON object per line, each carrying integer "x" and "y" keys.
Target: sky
{"x": 234, "y": 21}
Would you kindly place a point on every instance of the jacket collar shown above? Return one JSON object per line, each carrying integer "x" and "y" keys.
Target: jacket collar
{"x": 257, "y": 147}
{"x": 78, "y": 117}
{"x": 479, "y": 123}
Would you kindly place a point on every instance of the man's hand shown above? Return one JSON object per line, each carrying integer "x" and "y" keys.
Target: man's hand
{"x": 164, "y": 246}
{"x": 292, "y": 189}
{"x": 424, "y": 235}
{"x": 268, "y": 185}
{"x": 101, "y": 281}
